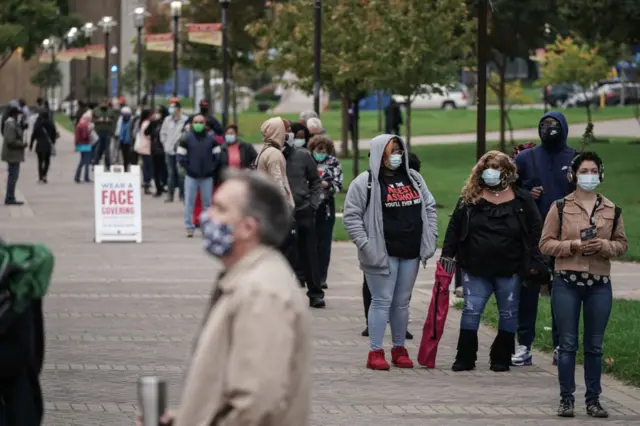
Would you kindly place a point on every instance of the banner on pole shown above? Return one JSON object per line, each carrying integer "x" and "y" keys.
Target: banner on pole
{"x": 94, "y": 51}
{"x": 159, "y": 42}
{"x": 210, "y": 34}
{"x": 45, "y": 58}
{"x": 118, "y": 204}
{"x": 69, "y": 55}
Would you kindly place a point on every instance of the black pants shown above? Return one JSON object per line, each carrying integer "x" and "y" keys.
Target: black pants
{"x": 307, "y": 265}
{"x": 325, "y": 220}
{"x": 159, "y": 167}
{"x": 44, "y": 159}
{"x": 125, "y": 149}
{"x": 289, "y": 248}
{"x": 366, "y": 298}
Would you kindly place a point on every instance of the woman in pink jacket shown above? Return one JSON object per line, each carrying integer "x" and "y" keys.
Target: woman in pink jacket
{"x": 143, "y": 148}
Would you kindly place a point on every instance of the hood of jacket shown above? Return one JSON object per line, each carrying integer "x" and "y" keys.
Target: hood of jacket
{"x": 274, "y": 132}
{"x": 559, "y": 117}
{"x": 378, "y": 144}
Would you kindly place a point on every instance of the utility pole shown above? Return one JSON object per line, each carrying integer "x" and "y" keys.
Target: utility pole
{"x": 481, "y": 50}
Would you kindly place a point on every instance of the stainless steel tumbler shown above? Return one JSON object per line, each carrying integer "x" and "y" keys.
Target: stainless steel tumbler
{"x": 152, "y": 398}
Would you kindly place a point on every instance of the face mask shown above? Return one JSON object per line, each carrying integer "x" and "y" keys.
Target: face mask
{"x": 395, "y": 160}
{"x": 551, "y": 133}
{"x": 171, "y": 110}
{"x": 204, "y": 111}
{"x": 218, "y": 237}
{"x": 588, "y": 182}
{"x": 320, "y": 156}
{"x": 491, "y": 177}
{"x": 103, "y": 107}
{"x": 230, "y": 138}
{"x": 299, "y": 142}
{"x": 288, "y": 139}
{"x": 198, "y": 127}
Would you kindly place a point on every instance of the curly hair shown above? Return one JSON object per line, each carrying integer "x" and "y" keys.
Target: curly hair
{"x": 472, "y": 190}
{"x": 320, "y": 142}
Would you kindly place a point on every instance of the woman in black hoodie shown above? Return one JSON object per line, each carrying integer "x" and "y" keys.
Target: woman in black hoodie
{"x": 158, "y": 165}
{"x": 44, "y": 135}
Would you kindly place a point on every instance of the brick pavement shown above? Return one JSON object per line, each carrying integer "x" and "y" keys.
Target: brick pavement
{"x": 116, "y": 311}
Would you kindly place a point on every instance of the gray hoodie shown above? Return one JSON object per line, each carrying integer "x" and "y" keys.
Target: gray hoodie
{"x": 365, "y": 225}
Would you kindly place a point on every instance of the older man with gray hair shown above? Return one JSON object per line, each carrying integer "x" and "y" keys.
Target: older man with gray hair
{"x": 306, "y": 115}
{"x": 252, "y": 361}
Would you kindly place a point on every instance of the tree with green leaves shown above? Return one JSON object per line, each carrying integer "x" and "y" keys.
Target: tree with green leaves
{"x": 420, "y": 46}
{"x": 94, "y": 84}
{"x": 128, "y": 78}
{"x": 48, "y": 77}
{"x": 24, "y": 24}
{"x": 156, "y": 66}
{"x": 572, "y": 60}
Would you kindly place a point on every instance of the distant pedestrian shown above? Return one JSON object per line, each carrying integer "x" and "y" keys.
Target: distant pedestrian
{"x": 315, "y": 126}
{"x": 125, "y": 136}
{"x": 83, "y": 142}
{"x": 306, "y": 115}
{"x": 236, "y": 153}
{"x": 104, "y": 119}
{"x": 143, "y": 149}
{"x": 393, "y": 118}
{"x": 159, "y": 165}
{"x": 13, "y": 147}
{"x": 170, "y": 135}
{"x": 44, "y": 135}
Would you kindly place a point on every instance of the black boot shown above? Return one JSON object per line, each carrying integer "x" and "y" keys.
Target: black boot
{"x": 501, "y": 350}
{"x": 467, "y": 351}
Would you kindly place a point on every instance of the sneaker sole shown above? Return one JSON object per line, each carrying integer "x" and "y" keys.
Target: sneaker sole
{"x": 378, "y": 369}
{"x": 521, "y": 363}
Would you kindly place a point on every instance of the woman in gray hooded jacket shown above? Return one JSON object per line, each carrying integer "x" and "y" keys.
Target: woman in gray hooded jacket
{"x": 390, "y": 215}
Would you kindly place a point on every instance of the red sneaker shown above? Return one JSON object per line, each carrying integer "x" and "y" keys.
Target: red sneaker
{"x": 376, "y": 360}
{"x": 400, "y": 357}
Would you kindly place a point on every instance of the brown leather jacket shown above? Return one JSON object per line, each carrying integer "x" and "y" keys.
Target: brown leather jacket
{"x": 576, "y": 217}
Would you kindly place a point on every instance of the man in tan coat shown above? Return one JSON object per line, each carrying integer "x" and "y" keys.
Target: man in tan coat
{"x": 251, "y": 365}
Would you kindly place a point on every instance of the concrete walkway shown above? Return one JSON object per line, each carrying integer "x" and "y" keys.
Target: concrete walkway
{"x": 116, "y": 311}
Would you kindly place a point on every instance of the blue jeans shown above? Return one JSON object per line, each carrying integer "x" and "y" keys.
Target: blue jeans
{"x": 13, "y": 170}
{"x": 85, "y": 161}
{"x": 191, "y": 187}
{"x": 390, "y": 296}
{"x": 597, "y": 301}
{"x": 104, "y": 147}
{"x": 146, "y": 169}
{"x": 478, "y": 290}
{"x": 173, "y": 178}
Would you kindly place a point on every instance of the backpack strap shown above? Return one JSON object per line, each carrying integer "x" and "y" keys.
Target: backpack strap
{"x": 616, "y": 219}
{"x": 369, "y": 180}
{"x": 560, "y": 207}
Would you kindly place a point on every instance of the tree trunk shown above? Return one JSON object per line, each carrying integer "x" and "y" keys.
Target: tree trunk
{"x": 408, "y": 123}
{"x": 153, "y": 94}
{"x": 379, "y": 101}
{"x": 510, "y": 125}
{"x": 344, "y": 142}
{"x": 234, "y": 102}
{"x": 354, "y": 142}
{"x": 206, "y": 86}
{"x": 502, "y": 93}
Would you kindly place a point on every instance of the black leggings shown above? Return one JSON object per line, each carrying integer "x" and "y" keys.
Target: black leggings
{"x": 44, "y": 159}
{"x": 125, "y": 149}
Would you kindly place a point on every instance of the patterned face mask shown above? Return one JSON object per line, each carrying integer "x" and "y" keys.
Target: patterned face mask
{"x": 218, "y": 237}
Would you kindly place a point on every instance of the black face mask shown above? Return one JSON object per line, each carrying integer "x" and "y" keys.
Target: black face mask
{"x": 204, "y": 111}
{"x": 103, "y": 107}
{"x": 551, "y": 133}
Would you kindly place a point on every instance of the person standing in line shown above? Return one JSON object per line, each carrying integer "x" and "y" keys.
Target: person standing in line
{"x": 104, "y": 120}
{"x": 199, "y": 158}
{"x": 393, "y": 117}
{"x": 159, "y": 166}
{"x": 45, "y": 134}
{"x": 211, "y": 123}
{"x": 493, "y": 234}
{"x": 236, "y": 377}
{"x": 236, "y": 153}
{"x": 543, "y": 172}
{"x": 83, "y": 145}
{"x": 143, "y": 148}
{"x": 583, "y": 231}
{"x": 13, "y": 147}
{"x": 170, "y": 135}
{"x": 125, "y": 136}
{"x": 315, "y": 126}
{"x": 306, "y": 115}
{"x": 306, "y": 187}
{"x": 390, "y": 215}
{"x": 323, "y": 151}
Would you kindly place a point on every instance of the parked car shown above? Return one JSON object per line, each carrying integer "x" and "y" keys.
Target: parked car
{"x": 612, "y": 90}
{"x": 449, "y": 97}
{"x": 557, "y": 94}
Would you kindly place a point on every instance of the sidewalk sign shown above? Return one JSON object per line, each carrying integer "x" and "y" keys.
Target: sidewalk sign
{"x": 118, "y": 204}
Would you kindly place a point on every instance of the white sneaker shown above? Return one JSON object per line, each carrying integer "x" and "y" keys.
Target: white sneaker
{"x": 523, "y": 356}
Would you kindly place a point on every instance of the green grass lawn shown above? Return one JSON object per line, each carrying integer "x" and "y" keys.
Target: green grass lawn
{"x": 424, "y": 122}
{"x": 621, "y": 343}
{"x": 446, "y": 167}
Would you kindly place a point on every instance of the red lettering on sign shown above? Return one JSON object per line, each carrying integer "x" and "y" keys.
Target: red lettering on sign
{"x": 117, "y": 197}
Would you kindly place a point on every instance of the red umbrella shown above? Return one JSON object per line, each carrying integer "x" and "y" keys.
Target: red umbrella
{"x": 437, "y": 316}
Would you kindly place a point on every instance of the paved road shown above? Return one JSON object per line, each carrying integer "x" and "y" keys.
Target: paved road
{"x": 116, "y": 311}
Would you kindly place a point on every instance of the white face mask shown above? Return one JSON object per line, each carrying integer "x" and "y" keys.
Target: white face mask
{"x": 588, "y": 182}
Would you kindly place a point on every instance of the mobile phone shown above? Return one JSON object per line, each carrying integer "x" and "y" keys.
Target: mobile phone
{"x": 588, "y": 234}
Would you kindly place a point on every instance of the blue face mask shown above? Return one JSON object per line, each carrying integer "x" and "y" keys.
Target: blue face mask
{"x": 299, "y": 142}
{"x": 229, "y": 138}
{"x": 218, "y": 237}
{"x": 171, "y": 110}
{"x": 491, "y": 177}
{"x": 588, "y": 182}
{"x": 395, "y": 161}
{"x": 320, "y": 156}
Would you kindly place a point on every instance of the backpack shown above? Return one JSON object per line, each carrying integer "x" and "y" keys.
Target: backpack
{"x": 25, "y": 275}
{"x": 560, "y": 207}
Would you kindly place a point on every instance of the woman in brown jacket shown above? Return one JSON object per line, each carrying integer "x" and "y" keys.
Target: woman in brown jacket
{"x": 583, "y": 232}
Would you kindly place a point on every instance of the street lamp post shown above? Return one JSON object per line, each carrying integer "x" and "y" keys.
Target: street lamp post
{"x": 225, "y": 63}
{"x": 107, "y": 23}
{"x": 138, "y": 17}
{"x": 88, "y": 30}
{"x": 481, "y": 124}
{"x": 176, "y": 12}
{"x": 317, "y": 45}
{"x": 50, "y": 45}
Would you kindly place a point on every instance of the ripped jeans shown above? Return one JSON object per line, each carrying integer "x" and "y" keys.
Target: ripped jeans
{"x": 478, "y": 290}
